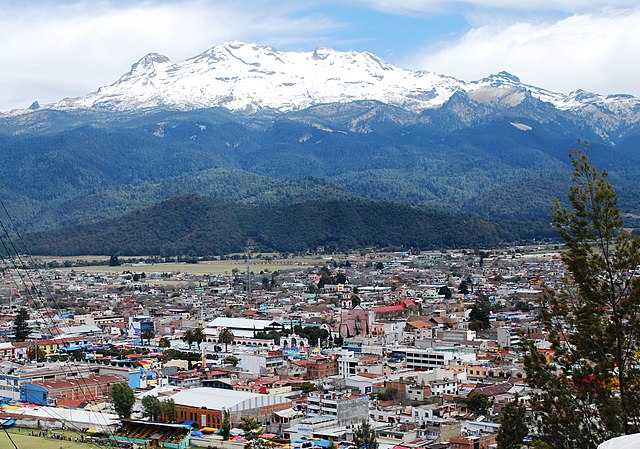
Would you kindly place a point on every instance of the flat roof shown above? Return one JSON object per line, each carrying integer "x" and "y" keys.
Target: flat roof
{"x": 218, "y": 399}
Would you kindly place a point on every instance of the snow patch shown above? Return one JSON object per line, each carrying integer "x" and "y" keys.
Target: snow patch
{"x": 521, "y": 126}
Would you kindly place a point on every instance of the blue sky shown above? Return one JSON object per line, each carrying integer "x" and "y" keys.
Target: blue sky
{"x": 51, "y": 49}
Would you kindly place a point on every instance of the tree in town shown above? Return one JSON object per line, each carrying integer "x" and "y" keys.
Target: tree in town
{"x": 123, "y": 399}
{"x": 341, "y": 278}
{"x": 147, "y": 334}
{"x": 308, "y": 387}
{"x": 225, "y": 428}
{"x": 114, "y": 261}
{"x": 364, "y": 437}
{"x": 198, "y": 336}
{"x": 513, "y": 426}
{"x": 445, "y": 291}
{"x": 164, "y": 343}
{"x": 168, "y": 410}
{"x": 226, "y": 336}
{"x": 230, "y": 360}
{"x": 478, "y": 404}
{"x": 251, "y": 427}
{"x": 20, "y": 325}
{"x": 37, "y": 354}
{"x": 479, "y": 315}
{"x": 151, "y": 407}
{"x": 591, "y": 392}
{"x": 188, "y": 337}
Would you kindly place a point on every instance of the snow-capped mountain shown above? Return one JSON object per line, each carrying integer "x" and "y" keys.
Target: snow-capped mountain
{"x": 249, "y": 77}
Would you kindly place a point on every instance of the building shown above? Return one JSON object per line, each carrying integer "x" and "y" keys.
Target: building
{"x": 473, "y": 442}
{"x": 241, "y": 327}
{"x": 508, "y": 338}
{"x": 430, "y": 358}
{"x": 13, "y": 376}
{"x": 86, "y": 388}
{"x": 354, "y": 322}
{"x": 344, "y": 406}
{"x": 205, "y": 405}
{"x": 347, "y": 364}
{"x": 138, "y": 324}
{"x": 261, "y": 363}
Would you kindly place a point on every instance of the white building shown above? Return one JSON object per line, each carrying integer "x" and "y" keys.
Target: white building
{"x": 347, "y": 364}
{"x": 261, "y": 363}
{"x": 241, "y": 327}
{"x": 425, "y": 359}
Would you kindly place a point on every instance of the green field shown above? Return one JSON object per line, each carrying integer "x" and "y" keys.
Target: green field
{"x": 23, "y": 440}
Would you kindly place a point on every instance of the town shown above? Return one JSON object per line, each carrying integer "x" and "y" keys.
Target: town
{"x": 422, "y": 348}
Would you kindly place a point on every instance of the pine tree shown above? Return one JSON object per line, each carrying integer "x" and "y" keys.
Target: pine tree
{"x": 225, "y": 428}
{"x": 591, "y": 393}
{"x": 20, "y": 326}
{"x": 513, "y": 426}
{"x": 364, "y": 437}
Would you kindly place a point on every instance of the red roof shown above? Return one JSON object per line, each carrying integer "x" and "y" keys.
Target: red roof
{"x": 395, "y": 308}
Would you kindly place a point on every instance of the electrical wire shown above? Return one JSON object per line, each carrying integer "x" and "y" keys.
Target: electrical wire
{"x": 38, "y": 306}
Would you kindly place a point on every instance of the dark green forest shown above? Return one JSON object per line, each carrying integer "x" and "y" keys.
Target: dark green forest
{"x": 193, "y": 225}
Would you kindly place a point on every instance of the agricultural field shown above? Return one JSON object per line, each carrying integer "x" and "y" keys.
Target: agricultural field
{"x": 213, "y": 267}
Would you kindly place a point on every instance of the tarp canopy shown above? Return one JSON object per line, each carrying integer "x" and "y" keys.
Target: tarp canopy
{"x": 287, "y": 413}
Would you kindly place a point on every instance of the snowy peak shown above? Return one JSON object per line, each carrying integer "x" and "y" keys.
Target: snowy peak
{"x": 503, "y": 78}
{"x": 146, "y": 64}
{"x": 249, "y": 77}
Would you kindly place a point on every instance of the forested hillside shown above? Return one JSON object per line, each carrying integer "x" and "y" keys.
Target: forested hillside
{"x": 193, "y": 225}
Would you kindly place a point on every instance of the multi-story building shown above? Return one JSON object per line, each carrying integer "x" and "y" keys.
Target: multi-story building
{"x": 424, "y": 359}
{"x": 344, "y": 406}
{"x": 508, "y": 338}
{"x": 347, "y": 364}
{"x": 261, "y": 363}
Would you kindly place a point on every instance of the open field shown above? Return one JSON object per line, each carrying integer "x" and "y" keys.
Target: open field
{"x": 23, "y": 440}
{"x": 207, "y": 267}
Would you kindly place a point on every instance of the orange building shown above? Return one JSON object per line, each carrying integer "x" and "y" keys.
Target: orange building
{"x": 473, "y": 442}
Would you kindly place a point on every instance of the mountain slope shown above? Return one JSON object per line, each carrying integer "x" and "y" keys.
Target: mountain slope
{"x": 193, "y": 225}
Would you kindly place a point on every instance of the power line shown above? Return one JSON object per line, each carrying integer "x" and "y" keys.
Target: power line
{"x": 38, "y": 305}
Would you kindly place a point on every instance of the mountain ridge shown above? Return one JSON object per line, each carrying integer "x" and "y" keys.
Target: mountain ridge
{"x": 250, "y": 78}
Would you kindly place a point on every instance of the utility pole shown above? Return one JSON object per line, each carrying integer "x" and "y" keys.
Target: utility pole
{"x": 249, "y": 274}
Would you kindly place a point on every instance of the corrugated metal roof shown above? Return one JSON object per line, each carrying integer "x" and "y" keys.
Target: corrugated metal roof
{"x": 218, "y": 399}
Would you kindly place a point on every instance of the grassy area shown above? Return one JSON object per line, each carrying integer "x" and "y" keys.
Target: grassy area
{"x": 23, "y": 440}
{"x": 208, "y": 267}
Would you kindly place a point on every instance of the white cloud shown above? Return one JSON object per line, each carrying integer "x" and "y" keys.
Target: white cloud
{"x": 596, "y": 52}
{"x": 50, "y": 50}
{"x": 410, "y": 7}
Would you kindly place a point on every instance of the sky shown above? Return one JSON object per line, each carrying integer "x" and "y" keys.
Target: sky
{"x": 53, "y": 49}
